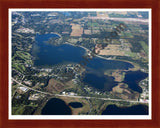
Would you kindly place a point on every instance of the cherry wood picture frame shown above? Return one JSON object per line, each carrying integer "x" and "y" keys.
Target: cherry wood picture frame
{"x": 119, "y": 4}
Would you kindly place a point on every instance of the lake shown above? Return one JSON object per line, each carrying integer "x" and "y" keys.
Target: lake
{"x": 133, "y": 110}
{"x": 56, "y": 106}
{"x": 49, "y": 55}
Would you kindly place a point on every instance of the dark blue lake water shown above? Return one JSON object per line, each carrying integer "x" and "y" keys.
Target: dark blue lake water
{"x": 48, "y": 55}
{"x": 132, "y": 78}
{"x": 75, "y": 104}
{"x": 102, "y": 83}
{"x": 133, "y": 110}
{"x": 56, "y": 106}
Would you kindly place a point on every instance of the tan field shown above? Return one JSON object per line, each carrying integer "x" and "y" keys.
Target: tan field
{"x": 102, "y": 14}
{"x": 88, "y": 32}
{"x": 120, "y": 12}
{"x": 112, "y": 50}
{"x": 77, "y": 30}
{"x": 55, "y": 86}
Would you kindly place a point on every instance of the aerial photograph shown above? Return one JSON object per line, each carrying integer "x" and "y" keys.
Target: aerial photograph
{"x": 79, "y": 62}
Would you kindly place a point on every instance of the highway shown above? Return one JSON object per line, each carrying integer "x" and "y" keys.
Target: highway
{"x": 73, "y": 96}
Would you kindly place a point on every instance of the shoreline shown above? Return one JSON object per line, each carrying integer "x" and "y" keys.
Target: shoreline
{"x": 135, "y": 68}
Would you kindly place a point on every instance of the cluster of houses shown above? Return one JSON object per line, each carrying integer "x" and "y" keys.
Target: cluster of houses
{"x": 69, "y": 93}
{"x": 25, "y": 30}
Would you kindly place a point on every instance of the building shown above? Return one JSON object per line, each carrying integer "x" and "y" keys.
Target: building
{"x": 24, "y": 89}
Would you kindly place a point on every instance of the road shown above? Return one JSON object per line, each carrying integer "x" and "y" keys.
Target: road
{"x": 120, "y": 19}
{"x": 73, "y": 96}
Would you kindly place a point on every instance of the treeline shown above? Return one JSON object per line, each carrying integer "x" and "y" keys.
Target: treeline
{"x": 136, "y": 46}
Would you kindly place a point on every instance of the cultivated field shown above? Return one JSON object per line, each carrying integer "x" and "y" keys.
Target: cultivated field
{"x": 112, "y": 50}
{"x": 77, "y": 30}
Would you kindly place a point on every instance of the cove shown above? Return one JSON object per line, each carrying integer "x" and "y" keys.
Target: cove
{"x": 102, "y": 83}
{"x": 133, "y": 110}
{"x": 132, "y": 78}
{"x": 56, "y": 106}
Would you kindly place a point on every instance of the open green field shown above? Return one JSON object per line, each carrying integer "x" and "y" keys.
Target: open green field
{"x": 19, "y": 67}
{"x": 23, "y": 110}
{"x": 19, "y": 60}
{"x": 18, "y": 110}
{"x": 144, "y": 46}
{"x": 131, "y": 54}
{"x": 22, "y": 55}
{"x": 94, "y": 24}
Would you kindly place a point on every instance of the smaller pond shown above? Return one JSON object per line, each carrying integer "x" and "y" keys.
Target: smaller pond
{"x": 75, "y": 104}
{"x": 56, "y": 106}
{"x": 133, "y": 110}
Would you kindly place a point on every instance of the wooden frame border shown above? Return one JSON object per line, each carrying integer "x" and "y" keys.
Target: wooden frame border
{"x": 6, "y": 4}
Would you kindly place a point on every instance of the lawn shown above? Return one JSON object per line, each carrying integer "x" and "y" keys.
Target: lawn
{"x": 131, "y": 54}
{"x": 144, "y": 46}
{"x": 93, "y": 24}
{"x": 18, "y": 110}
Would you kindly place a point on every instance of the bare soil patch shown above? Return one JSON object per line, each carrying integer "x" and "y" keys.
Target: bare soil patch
{"x": 55, "y": 86}
{"x": 112, "y": 50}
{"x": 77, "y": 30}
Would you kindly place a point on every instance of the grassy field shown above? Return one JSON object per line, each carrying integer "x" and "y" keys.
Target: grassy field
{"x": 94, "y": 24}
{"x": 21, "y": 54}
{"x": 19, "y": 67}
{"x": 117, "y": 74}
{"x": 55, "y": 86}
{"x": 14, "y": 88}
{"x": 23, "y": 109}
{"x": 122, "y": 91}
{"x": 131, "y": 54}
{"x": 128, "y": 35}
{"x": 18, "y": 110}
{"x": 144, "y": 46}
{"x": 23, "y": 57}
